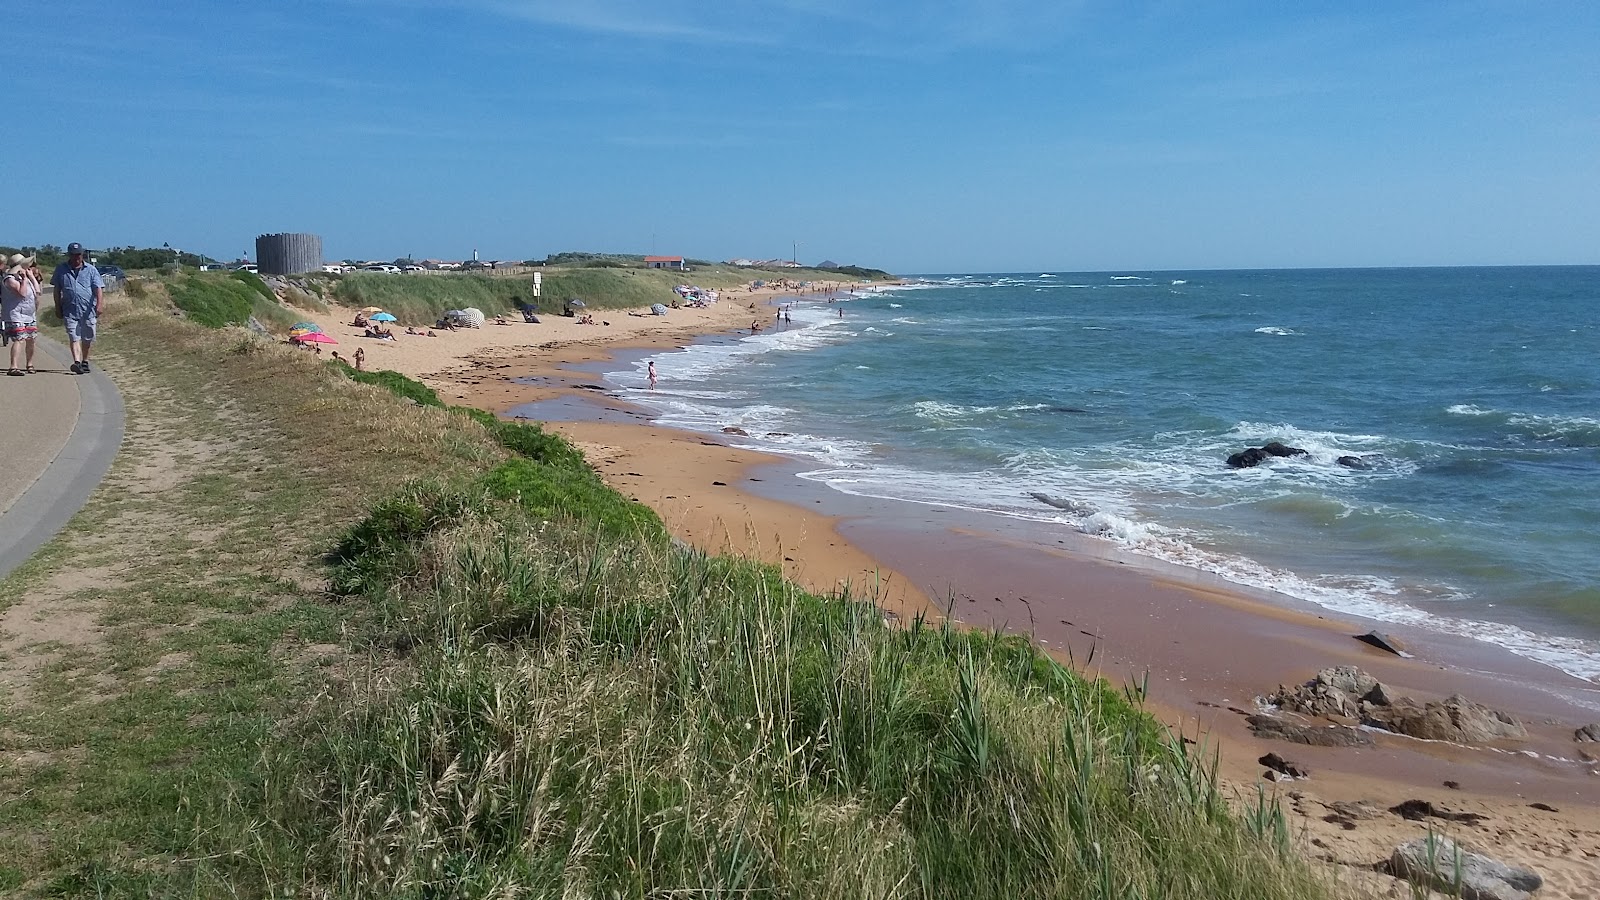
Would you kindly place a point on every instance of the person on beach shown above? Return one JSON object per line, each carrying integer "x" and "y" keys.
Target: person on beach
{"x": 652, "y": 370}
{"x": 361, "y": 360}
{"x": 80, "y": 298}
{"x": 19, "y": 293}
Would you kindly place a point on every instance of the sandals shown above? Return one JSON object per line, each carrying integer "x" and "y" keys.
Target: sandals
{"x": 32, "y": 370}
{"x": 17, "y": 372}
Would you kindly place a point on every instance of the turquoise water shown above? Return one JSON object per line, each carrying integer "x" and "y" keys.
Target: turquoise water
{"x": 1106, "y": 403}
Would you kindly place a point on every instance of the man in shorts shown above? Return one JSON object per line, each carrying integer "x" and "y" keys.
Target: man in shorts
{"x": 80, "y": 298}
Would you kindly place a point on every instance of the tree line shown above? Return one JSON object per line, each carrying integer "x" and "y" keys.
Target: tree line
{"x": 129, "y": 257}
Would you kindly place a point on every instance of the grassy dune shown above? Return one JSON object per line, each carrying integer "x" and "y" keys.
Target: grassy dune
{"x": 363, "y": 646}
{"x": 418, "y": 299}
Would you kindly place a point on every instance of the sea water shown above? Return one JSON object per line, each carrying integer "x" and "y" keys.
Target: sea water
{"x": 1108, "y": 403}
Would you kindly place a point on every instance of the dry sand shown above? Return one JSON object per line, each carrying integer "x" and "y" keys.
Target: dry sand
{"x": 1208, "y": 647}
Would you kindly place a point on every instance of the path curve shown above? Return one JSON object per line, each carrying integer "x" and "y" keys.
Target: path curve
{"x": 60, "y": 485}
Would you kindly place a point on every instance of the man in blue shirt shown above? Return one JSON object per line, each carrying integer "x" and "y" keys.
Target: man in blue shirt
{"x": 79, "y": 300}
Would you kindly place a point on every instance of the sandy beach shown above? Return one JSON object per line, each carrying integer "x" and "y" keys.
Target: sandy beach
{"x": 1209, "y": 648}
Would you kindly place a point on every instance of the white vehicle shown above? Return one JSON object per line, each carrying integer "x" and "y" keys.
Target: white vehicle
{"x": 382, "y": 267}
{"x": 251, "y": 268}
{"x": 333, "y": 269}
{"x": 413, "y": 269}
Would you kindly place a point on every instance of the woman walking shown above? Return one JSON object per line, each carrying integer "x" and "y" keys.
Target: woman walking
{"x": 19, "y": 293}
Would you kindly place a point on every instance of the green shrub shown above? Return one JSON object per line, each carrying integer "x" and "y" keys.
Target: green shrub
{"x": 394, "y": 382}
{"x": 253, "y": 282}
{"x": 575, "y": 494}
{"x": 213, "y": 302}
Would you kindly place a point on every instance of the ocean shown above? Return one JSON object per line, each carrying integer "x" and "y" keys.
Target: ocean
{"x": 1108, "y": 403}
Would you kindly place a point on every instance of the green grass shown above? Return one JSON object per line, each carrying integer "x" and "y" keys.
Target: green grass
{"x": 610, "y": 716}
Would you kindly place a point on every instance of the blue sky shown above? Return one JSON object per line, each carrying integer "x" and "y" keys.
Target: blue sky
{"x": 954, "y": 135}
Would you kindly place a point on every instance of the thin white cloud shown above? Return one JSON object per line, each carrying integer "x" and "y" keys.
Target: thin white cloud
{"x": 819, "y": 27}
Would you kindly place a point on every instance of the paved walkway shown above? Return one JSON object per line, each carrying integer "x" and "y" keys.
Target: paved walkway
{"x": 59, "y": 433}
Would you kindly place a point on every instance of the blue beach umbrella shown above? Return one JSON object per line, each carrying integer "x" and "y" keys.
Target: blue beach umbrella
{"x": 382, "y": 317}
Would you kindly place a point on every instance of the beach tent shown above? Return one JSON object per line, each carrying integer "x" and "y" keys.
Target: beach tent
{"x": 464, "y": 318}
{"x": 658, "y": 309}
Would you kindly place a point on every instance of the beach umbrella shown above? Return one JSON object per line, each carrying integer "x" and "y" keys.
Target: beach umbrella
{"x": 304, "y": 327}
{"x": 382, "y": 317}
{"x": 371, "y": 309}
{"x": 474, "y": 316}
{"x": 313, "y": 337}
{"x": 575, "y": 303}
{"x": 658, "y": 309}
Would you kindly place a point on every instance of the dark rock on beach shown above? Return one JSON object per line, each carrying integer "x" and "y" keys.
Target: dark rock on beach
{"x": 1383, "y": 642}
{"x": 1353, "y": 462}
{"x": 1311, "y": 735}
{"x": 1255, "y": 456}
{"x": 1422, "y": 810}
{"x": 734, "y": 430}
{"x": 1436, "y": 862}
{"x": 1076, "y": 507}
{"x": 1283, "y": 766}
{"x": 1588, "y": 734}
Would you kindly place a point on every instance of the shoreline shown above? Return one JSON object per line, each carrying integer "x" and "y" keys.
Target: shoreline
{"x": 726, "y": 499}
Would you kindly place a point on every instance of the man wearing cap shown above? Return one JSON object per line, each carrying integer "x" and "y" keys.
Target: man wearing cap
{"x": 79, "y": 300}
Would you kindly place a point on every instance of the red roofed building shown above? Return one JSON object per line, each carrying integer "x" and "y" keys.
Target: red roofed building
{"x": 663, "y": 262}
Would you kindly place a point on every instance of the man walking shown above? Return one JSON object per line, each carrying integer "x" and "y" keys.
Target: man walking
{"x": 80, "y": 298}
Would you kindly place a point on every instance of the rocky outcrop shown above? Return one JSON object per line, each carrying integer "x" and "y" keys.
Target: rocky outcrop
{"x": 1455, "y": 719}
{"x": 734, "y": 429}
{"x": 1349, "y": 694}
{"x": 1334, "y": 693}
{"x": 1353, "y": 462}
{"x": 1588, "y": 734}
{"x": 1255, "y": 456}
{"x": 1436, "y": 862}
{"x": 1311, "y": 735}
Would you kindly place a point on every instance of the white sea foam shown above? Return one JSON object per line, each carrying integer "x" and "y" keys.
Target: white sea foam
{"x": 1128, "y": 278}
{"x": 895, "y": 305}
{"x": 1542, "y": 426}
{"x": 1368, "y": 596}
{"x": 1179, "y": 281}
{"x": 1274, "y": 329}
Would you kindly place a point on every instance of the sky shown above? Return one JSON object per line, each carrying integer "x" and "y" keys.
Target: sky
{"x": 942, "y": 136}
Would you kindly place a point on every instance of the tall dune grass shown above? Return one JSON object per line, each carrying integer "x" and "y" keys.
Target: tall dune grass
{"x": 583, "y": 712}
